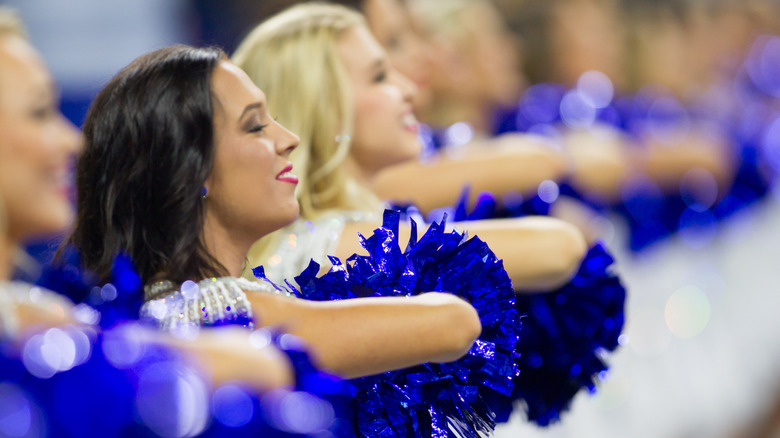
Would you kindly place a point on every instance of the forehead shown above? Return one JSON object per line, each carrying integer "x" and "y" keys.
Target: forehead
{"x": 21, "y": 70}
{"x": 385, "y": 15}
{"x": 233, "y": 88}
{"x": 359, "y": 49}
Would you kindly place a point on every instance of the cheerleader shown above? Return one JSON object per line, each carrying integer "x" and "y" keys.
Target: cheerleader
{"x": 343, "y": 149}
{"x": 374, "y": 99}
{"x": 232, "y": 157}
{"x": 65, "y": 370}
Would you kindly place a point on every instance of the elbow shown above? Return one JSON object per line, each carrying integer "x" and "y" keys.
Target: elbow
{"x": 570, "y": 246}
{"x": 460, "y": 326}
{"x": 552, "y": 261}
{"x": 557, "y": 164}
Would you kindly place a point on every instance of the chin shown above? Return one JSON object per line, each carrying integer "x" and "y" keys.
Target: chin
{"x": 292, "y": 213}
{"x": 412, "y": 148}
{"x": 54, "y": 223}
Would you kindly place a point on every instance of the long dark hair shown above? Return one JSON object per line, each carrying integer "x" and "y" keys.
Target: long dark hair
{"x": 149, "y": 147}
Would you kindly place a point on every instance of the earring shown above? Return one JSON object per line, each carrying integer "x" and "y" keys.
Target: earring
{"x": 342, "y": 137}
{"x": 203, "y": 192}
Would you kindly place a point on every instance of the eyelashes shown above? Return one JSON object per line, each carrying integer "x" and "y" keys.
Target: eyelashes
{"x": 257, "y": 128}
{"x": 381, "y": 76}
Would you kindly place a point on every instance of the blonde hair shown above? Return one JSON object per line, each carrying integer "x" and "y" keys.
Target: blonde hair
{"x": 449, "y": 18}
{"x": 10, "y": 23}
{"x": 294, "y": 58}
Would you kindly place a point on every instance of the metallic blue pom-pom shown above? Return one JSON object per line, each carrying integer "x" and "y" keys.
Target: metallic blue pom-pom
{"x": 565, "y": 335}
{"x": 429, "y": 400}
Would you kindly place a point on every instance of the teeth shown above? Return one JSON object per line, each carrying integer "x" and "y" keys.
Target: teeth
{"x": 286, "y": 175}
{"x": 409, "y": 119}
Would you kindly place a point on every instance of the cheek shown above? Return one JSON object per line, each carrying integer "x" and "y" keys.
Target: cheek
{"x": 242, "y": 168}
{"x": 25, "y": 156}
{"x": 374, "y": 120}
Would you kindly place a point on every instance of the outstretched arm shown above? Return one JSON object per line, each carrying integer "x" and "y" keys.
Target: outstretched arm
{"x": 224, "y": 354}
{"x": 511, "y": 163}
{"x": 227, "y": 354}
{"x": 539, "y": 253}
{"x": 365, "y": 336}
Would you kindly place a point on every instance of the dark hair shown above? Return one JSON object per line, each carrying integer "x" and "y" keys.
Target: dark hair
{"x": 149, "y": 147}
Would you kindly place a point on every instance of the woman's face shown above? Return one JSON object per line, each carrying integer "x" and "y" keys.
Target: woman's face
{"x": 492, "y": 54}
{"x": 37, "y": 145}
{"x": 480, "y": 65}
{"x": 385, "y": 131}
{"x": 406, "y": 50}
{"x": 586, "y": 35}
{"x": 251, "y": 189}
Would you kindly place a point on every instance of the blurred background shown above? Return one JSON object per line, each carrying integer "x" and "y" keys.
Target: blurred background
{"x": 701, "y": 353}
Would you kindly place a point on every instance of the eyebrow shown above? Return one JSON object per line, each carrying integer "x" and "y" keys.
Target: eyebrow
{"x": 250, "y": 107}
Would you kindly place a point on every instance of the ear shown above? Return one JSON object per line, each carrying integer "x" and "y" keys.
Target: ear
{"x": 205, "y": 190}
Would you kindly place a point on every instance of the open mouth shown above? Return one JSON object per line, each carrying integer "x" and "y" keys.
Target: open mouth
{"x": 409, "y": 122}
{"x": 286, "y": 175}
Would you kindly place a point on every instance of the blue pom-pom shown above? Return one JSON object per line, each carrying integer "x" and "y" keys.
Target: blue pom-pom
{"x": 565, "y": 335}
{"x": 429, "y": 400}
{"x": 117, "y": 302}
{"x": 117, "y": 386}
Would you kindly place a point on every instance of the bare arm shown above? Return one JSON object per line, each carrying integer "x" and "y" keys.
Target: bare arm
{"x": 367, "y": 336}
{"x": 603, "y": 160}
{"x": 539, "y": 253}
{"x": 668, "y": 165}
{"x": 226, "y": 354}
{"x": 513, "y": 163}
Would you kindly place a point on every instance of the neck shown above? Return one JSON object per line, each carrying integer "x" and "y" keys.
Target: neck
{"x": 7, "y": 250}
{"x": 226, "y": 247}
{"x": 449, "y": 111}
{"x": 362, "y": 176}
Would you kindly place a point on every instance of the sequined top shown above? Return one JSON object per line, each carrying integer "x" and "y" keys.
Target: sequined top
{"x": 307, "y": 240}
{"x": 210, "y": 302}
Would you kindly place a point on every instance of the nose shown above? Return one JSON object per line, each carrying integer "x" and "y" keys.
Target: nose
{"x": 70, "y": 136}
{"x": 286, "y": 140}
{"x": 406, "y": 85}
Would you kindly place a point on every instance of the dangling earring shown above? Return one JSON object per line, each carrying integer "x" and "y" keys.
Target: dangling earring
{"x": 203, "y": 192}
{"x": 342, "y": 137}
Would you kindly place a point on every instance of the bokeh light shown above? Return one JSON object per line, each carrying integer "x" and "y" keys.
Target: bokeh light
{"x": 577, "y": 111}
{"x": 16, "y": 415}
{"x": 687, "y": 312}
{"x": 172, "y": 400}
{"x": 596, "y": 88}
{"x": 459, "y": 134}
{"x": 297, "y": 412}
{"x": 232, "y": 406}
{"x": 548, "y": 191}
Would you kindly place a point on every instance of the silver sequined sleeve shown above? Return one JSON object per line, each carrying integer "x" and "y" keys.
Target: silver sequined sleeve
{"x": 209, "y": 302}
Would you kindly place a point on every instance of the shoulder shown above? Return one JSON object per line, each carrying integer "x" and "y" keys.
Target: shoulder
{"x": 209, "y": 302}
{"x": 309, "y": 239}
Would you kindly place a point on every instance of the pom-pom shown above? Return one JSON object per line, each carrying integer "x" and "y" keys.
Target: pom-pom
{"x": 70, "y": 382}
{"x": 117, "y": 301}
{"x": 566, "y": 334}
{"x": 429, "y": 400}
